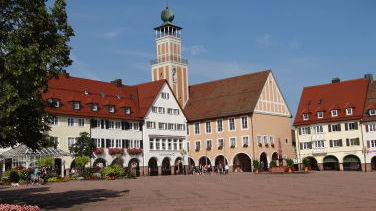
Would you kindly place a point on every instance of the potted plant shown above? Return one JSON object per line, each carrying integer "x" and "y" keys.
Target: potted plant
{"x": 99, "y": 151}
{"x": 273, "y": 163}
{"x": 272, "y": 144}
{"x": 115, "y": 151}
{"x": 134, "y": 151}
{"x": 306, "y": 163}
{"x": 208, "y": 148}
{"x": 232, "y": 146}
{"x": 220, "y": 147}
{"x": 245, "y": 145}
{"x": 260, "y": 144}
{"x": 256, "y": 166}
{"x": 289, "y": 164}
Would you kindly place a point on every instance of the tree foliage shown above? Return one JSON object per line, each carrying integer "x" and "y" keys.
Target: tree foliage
{"x": 47, "y": 162}
{"x": 84, "y": 146}
{"x": 33, "y": 48}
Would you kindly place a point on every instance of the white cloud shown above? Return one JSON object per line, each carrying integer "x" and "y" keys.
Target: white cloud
{"x": 264, "y": 41}
{"x": 114, "y": 33}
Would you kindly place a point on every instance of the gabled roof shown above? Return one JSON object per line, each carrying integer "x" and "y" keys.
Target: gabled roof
{"x": 370, "y": 102}
{"x": 67, "y": 89}
{"x": 226, "y": 97}
{"x": 327, "y": 97}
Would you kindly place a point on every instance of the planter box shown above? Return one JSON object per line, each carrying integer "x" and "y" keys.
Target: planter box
{"x": 278, "y": 169}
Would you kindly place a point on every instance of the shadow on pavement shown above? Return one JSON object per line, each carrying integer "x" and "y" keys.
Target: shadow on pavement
{"x": 35, "y": 196}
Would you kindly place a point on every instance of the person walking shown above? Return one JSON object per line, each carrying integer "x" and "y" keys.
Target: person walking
{"x": 226, "y": 169}
{"x": 36, "y": 175}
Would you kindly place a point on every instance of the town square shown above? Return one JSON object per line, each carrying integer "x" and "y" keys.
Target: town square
{"x": 145, "y": 106}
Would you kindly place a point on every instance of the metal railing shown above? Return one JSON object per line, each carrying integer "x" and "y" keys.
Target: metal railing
{"x": 169, "y": 59}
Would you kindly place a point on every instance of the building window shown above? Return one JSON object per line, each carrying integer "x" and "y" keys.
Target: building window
{"x": 165, "y": 95}
{"x": 334, "y": 128}
{"x": 231, "y": 122}
{"x": 244, "y": 122}
{"x": 352, "y": 142}
{"x": 286, "y": 140}
{"x": 320, "y": 115}
{"x": 169, "y": 111}
{"x": 371, "y": 127}
{"x": 245, "y": 141}
{"x": 208, "y": 144}
{"x": 233, "y": 142}
{"x": 176, "y": 111}
{"x": 304, "y": 130}
{"x": 70, "y": 122}
{"x": 197, "y": 145}
{"x": 219, "y": 125}
{"x": 150, "y": 125}
{"x": 169, "y": 144}
{"x": 111, "y": 125}
{"x": 220, "y": 142}
{"x": 111, "y": 109}
{"x": 349, "y": 111}
{"x": 306, "y": 145}
{"x": 81, "y": 122}
{"x": 351, "y": 126}
{"x": 163, "y": 144}
{"x": 208, "y": 127}
{"x": 154, "y": 109}
{"x": 55, "y": 140}
{"x": 259, "y": 140}
{"x": 127, "y": 110}
{"x": 319, "y": 144}
{"x": 271, "y": 140}
{"x": 334, "y": 113}
{"x": 265, "y": 139}
{"x": 54, "y": 102}
{"x": 372, "y": 143}
{"x": 71, "y": 141}
{"x": 180, "y": 144}
{"x": 55, "y": 120}
{"x": 161, "y": 110}
{"x": 94, "y": 107}
{"x": 305, "y": 116}
{"x": 336, "y": 143}
{"x": 157, "y": 144}
{"x": 76, "y": 105}
{"x": 197, "y": 128}
{"x": 372, "y": 112}
{"x": 318, "y": 129}
{"x": 117, "y": 125}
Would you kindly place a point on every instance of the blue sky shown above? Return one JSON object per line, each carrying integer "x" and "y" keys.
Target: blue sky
{"x": 304, "y": 42}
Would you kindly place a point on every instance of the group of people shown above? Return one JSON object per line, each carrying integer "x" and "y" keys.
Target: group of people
{"x": 37, "y": 176}
{"x": 208, "y": 169}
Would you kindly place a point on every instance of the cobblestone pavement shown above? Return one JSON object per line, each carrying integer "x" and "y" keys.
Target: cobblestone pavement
{"x": 238, "y": 191}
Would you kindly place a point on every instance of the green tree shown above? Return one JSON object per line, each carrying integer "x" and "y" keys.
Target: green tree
{"x": 47, "y": 162}
{"x": 33, "y": 48}
{"x": 84, "y": 146}
{"x": 81, "y": 162}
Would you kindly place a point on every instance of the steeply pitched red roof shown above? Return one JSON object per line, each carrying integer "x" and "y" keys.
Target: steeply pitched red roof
{"x": 226, "y": 97}
{"x": 67, "y": 89}
{"x": 370, "y": 102}
{"x": 327, "y": 97}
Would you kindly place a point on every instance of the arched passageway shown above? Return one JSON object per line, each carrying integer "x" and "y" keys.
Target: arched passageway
{"x": 331, "y": 163}
{"x": 179, "y": 167}
{"x": 204, "y": 161}
{"x": 118, "y": 161}
{"x": 242, "y": 163}
{"x": 351, "y": 163}
{"x": 220, "y": 159}
{"x": 373, "y": 163}
{"x": 153, "y": 167}
{"x": 313, "y": 164}
{"x": 166, "y": 166}
{"x": 264, "y": 161}
{"x": 99, "y": 163}
{"x": 58, "y": 166}
{"x": 134, "y": 166}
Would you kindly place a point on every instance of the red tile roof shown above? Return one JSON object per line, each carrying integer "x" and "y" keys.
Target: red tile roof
{"x": 370, "y": 102}
{"x": 67, "y": 89}
{"x": 226, "y": 97}
{"x": 327, "y": 97}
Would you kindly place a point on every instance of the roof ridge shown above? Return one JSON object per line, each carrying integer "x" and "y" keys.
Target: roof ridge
{"x": 341, "y": 82}
{"x": 233, "y": 77}
{"x": 87, "y": 79}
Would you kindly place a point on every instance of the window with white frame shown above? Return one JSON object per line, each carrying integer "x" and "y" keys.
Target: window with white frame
{"x": 136, "y": 126}
{"x": 219, "y": 125}
{"x": 335, "y": 128}
{"x": 319, "y": 144}
{"x": 354, "y": 142}
{"x": 197, "y": 128}
{"x": 318, "y": 129}
{"x": 271, "y": 139}
{"x": 220, "y": 142}
{"x": 371, "y": 127}
{"x": 208, "y": 127}
{"x": 169, "y": 144}
{"x": 305, "y": 130}
{"x": 176, "y": 112}
{"x": 180, "y": 144}
{"x": 175, "y": 144}
{"x": 98, "y": 142}
{"x": 334, "y": 113}
{"x": 118, "y": 143}
{"x": 154, "y": 109}
{"x": 306, "y": 145}
{"x": 372, "y": 143}
{"x": 320, "y": 114}
{"x": 163, "y": 141}
{"x": 94, "y": 107}
{"x": 55, "y": 140}
{"x": 352, "y": 125}
{"x": 231, "y": 122}
{"x": 349, "y": 111}
{"x": 111, "y": 109}
{"x": 244, "y": 122}
{"x": 336, "y": 143}
{"x": 55, "y": 120}
{"x": 372, "y": 112}
{"x": 118, "y": 125}
{"x": 169, "y": 111}
{"x": 266, "y": 139}
{"x": 161, "y": 110}
{"x": 70, "y": 122}
{"x": 305, "y": 116}
{"x": 259, "y": 140}
{"x": 127, "y": 110}
{"x": 208, "y": 144}
{"x": 165, "y": 95}
{"x": 157, "y": 144}
{"x": 81, "y": 122}
{"x": 76, "y": 105}
{"x": 197, "y": 145}
{"x": 71, "y": 141}
{"x": 233, "y": 142}
{"x": 245, "y": 141}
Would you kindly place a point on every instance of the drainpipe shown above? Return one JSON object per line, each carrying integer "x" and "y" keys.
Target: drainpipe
{"x": 298, "y": 149}
{"x": 364, "y": 148}
{"x": 253, "y": 138}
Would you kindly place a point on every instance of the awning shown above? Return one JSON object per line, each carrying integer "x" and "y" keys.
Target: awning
{"x": 330, "y": 159}
{"x": 23, "y": 150}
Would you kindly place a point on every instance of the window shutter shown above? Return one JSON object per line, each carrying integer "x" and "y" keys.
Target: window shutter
{"x": 347, "y": 142}
{"x": 330, "y": 128}
{"x": 102, "y": 142}
{"x": 107, "y": 123}
{"x": 309, "y": 145}
{"x": 356, "y": 125}
{"x": 309, "y": 130}
{"x": 331, "y": 143}
{"x": 301, "y": 145}
{"x": 340, "y": 142}
{"x": 368, "y": 144}
{"x": 357, "y": 141}
{"x": 127, "y": 143}
{"x": 141, "y": 144}
{"x": 140, "y": 126}
{"x": 346, "y": 126}
{"x": 339, "y": 127}
{"x": 367, "y": 129}
{"x": 300, "y": 131}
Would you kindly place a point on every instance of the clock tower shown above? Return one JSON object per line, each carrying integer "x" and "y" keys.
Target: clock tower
{"x": 169, "y": 63}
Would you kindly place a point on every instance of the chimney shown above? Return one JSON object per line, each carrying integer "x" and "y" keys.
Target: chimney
{"x": 117, "y": 82}
{"x": 369, "y": 77}
{"x": 336, "y": 80}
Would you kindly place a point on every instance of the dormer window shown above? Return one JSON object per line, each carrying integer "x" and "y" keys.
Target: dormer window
{"x": 334, "y": 113}
{"x": 111, "y": 108}
{"x": 349, "y": 111}
{"x": 320, "y": 114}
{"x": 76, "y": 105}
{"x": 54, "y": 102}
{"x": 127, "y": 110}
{"x": 372, "y": 112}
{"x": 305, "y": 116}
{"x": 94, "y": 107}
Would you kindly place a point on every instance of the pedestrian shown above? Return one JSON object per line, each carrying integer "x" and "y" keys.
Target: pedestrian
{"x": 226, "y": 169}
{"x": 220, "y": 168}
{"x": 36, "y": 175}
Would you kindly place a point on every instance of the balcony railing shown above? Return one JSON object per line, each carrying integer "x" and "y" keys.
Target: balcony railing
{"x": 162, "y": 34}
{"x": 168, "y": 59}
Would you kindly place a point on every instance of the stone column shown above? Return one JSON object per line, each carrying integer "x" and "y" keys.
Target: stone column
{"x": 159, "y": 170}
{"x": 341, "y": 166}
{"x": 172, "y": 170}
{"x": 321, "y": 166}
{"x": 369, "y": 167}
